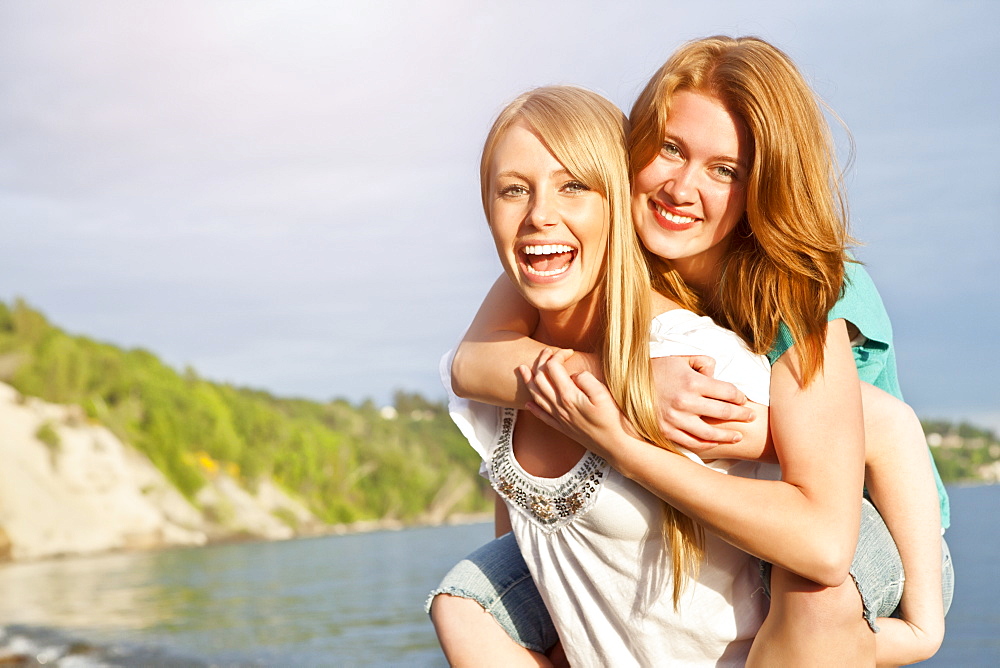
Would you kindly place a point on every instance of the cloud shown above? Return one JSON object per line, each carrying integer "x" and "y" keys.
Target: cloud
{"x": 285, "y": 194}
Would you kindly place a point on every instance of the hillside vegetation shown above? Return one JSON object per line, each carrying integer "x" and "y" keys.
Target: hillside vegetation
{"x": 963, "y": 452}
{"x": 347, "y": 462}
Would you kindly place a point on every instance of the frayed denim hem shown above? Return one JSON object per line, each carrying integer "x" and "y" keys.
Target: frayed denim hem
{"x": 496, "y": 577}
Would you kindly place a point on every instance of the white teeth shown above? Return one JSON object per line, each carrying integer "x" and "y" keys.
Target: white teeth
{"x": 547, "y": 249}
{"x": 554, "y": 272}
{"x": 672, "y": 217}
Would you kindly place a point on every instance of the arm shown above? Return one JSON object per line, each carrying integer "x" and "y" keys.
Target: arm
{"x": 899, "y": 479}
{"x": 497, "y": 342}
{"x": 697, "y": 411}
{"x": 807, "y": 522}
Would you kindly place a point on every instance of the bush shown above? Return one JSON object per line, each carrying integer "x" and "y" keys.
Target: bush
{"x": 48, "y": 435}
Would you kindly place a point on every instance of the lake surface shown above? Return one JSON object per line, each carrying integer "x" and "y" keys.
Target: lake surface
{"x": 354, "y": 600}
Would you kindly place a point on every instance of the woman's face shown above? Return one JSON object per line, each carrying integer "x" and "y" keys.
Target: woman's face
{"x": 687, "y": 201}
{"x": 550, "y": 230}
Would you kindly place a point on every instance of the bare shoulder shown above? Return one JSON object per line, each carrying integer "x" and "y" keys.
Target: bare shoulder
{"x": 660, "y": 304}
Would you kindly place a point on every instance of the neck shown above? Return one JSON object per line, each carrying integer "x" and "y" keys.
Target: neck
{"x": 703, "y": 272}
{"x": 577, "y": 327}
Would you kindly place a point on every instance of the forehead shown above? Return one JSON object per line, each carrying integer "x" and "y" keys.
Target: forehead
{"x": 520, "y": 147}
{"x": 706, "y": 123}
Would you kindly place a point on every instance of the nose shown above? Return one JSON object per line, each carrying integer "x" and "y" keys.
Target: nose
{"x": 543, "y": 212}
{"x": 680, "y": 185}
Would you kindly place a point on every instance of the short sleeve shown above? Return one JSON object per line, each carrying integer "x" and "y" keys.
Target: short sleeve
{"x": 861, "y": 305}
{"x": 681, "y": 332}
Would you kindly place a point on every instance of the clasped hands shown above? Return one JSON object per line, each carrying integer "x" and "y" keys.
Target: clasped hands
{"x": 690, "y": 403}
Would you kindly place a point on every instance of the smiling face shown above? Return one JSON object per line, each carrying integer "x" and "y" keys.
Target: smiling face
{"x": 688, "y": 200}
{"x": 550, "y": 230}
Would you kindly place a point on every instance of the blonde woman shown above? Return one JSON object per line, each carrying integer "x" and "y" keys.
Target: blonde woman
{"x": 615, "y": 565}
{"x": 735, "y": 193}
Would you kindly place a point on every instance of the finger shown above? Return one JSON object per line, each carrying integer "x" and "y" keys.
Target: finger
{"x": 563, "y": 354}
{"x": 544, "y": 356}
{"x": 594, "y": 389}
{"x": 681, "y": 438}
{"x": 691, "y": 442}
{"x": 541, "y": 414}
{"x": 720, "y": 390}
{"x": 540, "y": 361}
{"x": 703, "y": 364}
{"x": 722, "y": 411}
{"x": 560, "y": 379}
{"x": 704, "y": 434}
{"x": 542, "y": 390}
{"x": 539, "y": 397}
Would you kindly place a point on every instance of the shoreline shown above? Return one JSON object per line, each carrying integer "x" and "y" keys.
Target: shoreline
{"x": 322, "y": 531}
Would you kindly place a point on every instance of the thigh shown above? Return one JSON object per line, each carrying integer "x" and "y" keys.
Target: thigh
{"x": 496, "y": 576}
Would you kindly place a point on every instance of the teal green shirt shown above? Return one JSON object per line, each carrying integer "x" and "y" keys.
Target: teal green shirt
{"x": 861, "y": 305}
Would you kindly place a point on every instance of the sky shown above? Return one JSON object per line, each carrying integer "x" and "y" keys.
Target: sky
{"x": 284, "y": 195}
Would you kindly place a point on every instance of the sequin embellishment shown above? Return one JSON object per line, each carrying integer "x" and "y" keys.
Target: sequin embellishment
{"x": 550, "y": 506}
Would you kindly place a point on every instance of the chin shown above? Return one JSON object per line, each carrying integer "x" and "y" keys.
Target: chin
{"x": 550, "y": 300}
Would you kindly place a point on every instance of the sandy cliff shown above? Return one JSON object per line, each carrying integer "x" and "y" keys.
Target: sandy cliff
{"x": 69, "y": 486}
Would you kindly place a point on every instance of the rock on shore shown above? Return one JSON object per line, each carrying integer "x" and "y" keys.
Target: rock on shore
{"x": 70, "y": 486}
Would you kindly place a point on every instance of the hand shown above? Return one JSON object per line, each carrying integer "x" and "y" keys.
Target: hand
{"x": 579, "y": 406}
{"x": 691, "y": 402}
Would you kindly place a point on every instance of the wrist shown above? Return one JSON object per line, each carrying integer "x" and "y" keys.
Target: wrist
{"x": 633, "y": 457}
{"x": 579, "y": 362}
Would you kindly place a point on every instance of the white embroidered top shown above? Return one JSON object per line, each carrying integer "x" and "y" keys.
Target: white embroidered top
{"x": 593, "y": 543}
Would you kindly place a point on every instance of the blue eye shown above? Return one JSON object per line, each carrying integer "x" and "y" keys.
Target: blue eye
{"x": 515, "y": 190}
{"x": 575, "y": 186}
{"x": 670, "y": 149}
{"x": 726, "y": 173}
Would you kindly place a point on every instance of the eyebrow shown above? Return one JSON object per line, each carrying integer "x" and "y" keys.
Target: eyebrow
{"x": 721, "y": 157}
{"x": 513, "y": 173}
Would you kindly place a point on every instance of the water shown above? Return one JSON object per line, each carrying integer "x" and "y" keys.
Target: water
{"x": 352, "y": 600}
{"x": 972, "y": 636}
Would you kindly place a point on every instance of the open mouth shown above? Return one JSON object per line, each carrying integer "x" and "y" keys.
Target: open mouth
{"x": 548, "y": 259}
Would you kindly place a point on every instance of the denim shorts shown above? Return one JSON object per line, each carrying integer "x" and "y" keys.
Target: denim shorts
{"x": 497, "y": 577}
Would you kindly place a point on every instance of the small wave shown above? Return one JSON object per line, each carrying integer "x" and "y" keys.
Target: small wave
{"x": 26, "y": 646}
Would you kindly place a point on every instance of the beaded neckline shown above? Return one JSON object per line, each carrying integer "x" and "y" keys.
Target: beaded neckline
{"x": 551, "y": 503}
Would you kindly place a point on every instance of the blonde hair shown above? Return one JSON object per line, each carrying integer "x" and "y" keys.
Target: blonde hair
{"x": 586, "y": 134}
{"x": 786, "y": 256}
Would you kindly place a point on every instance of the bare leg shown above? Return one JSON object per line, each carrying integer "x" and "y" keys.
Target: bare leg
{"x": 812, "y": 625}
{"x": 470, "y": 636}
{"x": 900, "y": 480}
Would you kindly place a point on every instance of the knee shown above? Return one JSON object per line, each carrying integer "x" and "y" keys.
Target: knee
{"x": 453, "y": 612}
{"x": 470, "y": 636}
{"x": 457, "y": 622}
